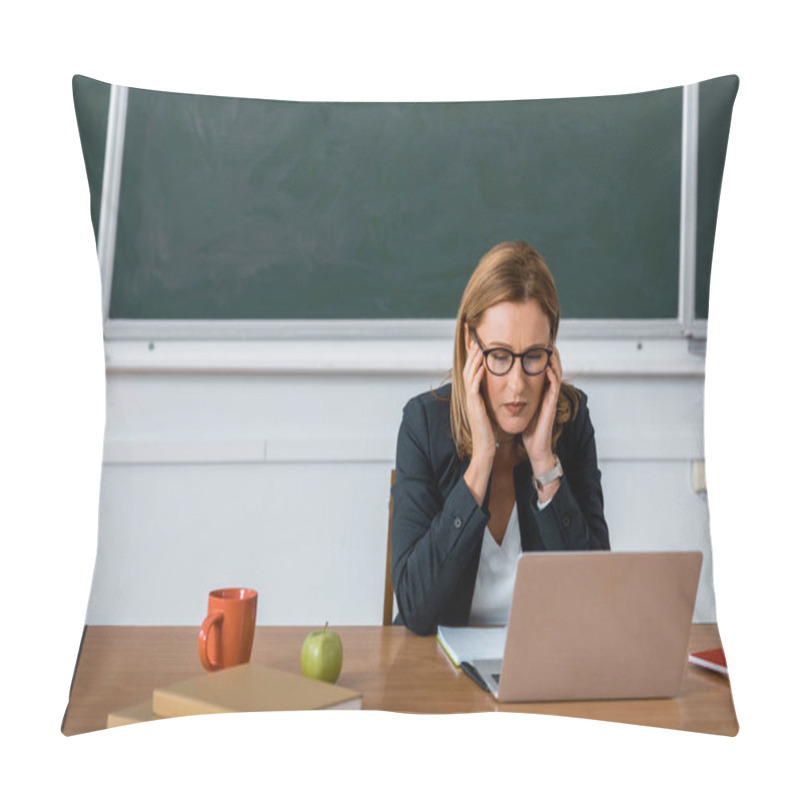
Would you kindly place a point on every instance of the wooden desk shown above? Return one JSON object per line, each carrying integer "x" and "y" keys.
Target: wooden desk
{"x": 394, "y": 670}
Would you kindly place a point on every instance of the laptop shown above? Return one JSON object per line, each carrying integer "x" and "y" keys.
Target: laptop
{"x": 596, "y": 626}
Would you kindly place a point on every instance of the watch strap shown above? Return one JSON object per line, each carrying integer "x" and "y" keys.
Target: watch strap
{"x": 551, "y": 475}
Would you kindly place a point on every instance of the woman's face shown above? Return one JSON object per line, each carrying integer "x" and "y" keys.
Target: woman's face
{"x": 513, "y": 399}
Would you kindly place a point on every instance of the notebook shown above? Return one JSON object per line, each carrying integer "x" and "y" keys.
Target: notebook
{"x": 595, "y": 625}
{"x": 713, "y": 659}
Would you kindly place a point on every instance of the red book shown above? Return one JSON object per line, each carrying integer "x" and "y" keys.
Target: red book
{"x": 710, "y": 659}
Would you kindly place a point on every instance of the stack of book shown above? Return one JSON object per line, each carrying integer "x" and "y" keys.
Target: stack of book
{"x": 247, "y": 687}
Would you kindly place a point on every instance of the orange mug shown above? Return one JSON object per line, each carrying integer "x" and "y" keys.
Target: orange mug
{"x": 226, "y": 635}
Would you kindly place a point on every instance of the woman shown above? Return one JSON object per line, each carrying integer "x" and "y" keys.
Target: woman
{"x": 501, "y": 461}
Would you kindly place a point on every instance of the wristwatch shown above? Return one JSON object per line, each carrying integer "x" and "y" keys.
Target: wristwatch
{"x": 552, "y": 474}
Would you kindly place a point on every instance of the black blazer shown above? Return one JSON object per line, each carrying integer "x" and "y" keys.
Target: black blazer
{"x": 437, "y": 527}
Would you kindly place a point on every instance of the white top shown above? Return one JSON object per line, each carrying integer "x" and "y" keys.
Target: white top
{"x": 497, "y": 569}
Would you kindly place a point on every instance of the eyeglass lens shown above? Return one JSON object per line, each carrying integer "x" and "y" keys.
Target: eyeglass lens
{"x": 499, "y": 362}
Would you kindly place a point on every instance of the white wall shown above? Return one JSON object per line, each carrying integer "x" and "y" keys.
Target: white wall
{"x": 267, "y": 464}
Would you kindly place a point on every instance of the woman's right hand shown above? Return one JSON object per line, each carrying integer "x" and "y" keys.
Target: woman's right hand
{"x": 484, "y": 444}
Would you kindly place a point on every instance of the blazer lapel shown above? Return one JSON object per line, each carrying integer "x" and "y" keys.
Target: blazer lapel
{"x": 523, "y": 488}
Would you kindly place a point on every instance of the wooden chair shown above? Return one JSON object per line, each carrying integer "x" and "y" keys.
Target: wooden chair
{"x": 388, "y": 591}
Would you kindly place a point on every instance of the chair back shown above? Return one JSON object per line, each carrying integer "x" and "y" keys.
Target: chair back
{"x": 388, "y": 591}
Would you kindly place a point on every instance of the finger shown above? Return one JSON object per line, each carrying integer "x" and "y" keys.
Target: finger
{"x": 555, "y": 361}
{"x": 477, "y": 376}
{"x": 472, "y": 359}
{"x": 549, "y": 399}
{"x": 469, "y": 363}
{"x": 555, "y": 381}
{"x": 473, "y": 373}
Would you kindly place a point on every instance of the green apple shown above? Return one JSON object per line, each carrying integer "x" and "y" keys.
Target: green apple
{"x": 321, "y": 656}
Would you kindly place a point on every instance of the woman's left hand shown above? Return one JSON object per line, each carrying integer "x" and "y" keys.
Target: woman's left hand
{"x": 538, "y": 436}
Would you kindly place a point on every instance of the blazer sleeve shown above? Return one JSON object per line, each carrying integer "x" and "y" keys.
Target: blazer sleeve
{"x": 434, "y": 537}
{"x": 574, "y": 518}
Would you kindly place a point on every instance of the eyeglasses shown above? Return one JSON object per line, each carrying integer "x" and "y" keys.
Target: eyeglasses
{"x": 500, "y": 360}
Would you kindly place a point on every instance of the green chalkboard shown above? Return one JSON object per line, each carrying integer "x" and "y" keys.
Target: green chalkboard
{"x": 91, "y": 106}
{"x": 716, "y": 106}
{"x": 256, "y": 209}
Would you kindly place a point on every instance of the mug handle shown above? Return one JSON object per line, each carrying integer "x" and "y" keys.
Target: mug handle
{"x": 202, "y": 641}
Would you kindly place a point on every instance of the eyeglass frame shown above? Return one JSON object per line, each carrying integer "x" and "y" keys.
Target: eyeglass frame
{"x": 514, "y": 356}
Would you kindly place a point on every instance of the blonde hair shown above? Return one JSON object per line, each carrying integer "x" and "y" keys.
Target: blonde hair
{"x": 509, "y": 272}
